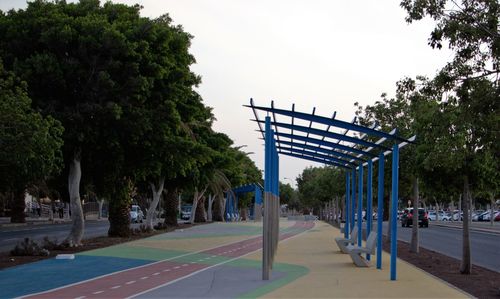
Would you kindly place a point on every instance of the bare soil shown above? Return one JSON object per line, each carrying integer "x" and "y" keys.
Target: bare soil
{"x": 481, "y": 283}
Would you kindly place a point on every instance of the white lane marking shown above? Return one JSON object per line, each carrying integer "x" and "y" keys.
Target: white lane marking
{"x": 145, "y": 277}
{"x": 81, "y": 297}
{"x": 213, "y": 256}
{"x": 212, "y": 266}
{"x": 177, "y": 267}
{"x": 130, "y": 282}
{"x": 157, "y": 273}
{"x": 98, "y": 292}
{"x": 166, "y": 270}
{"x": 200, "y": 260}
{"x": 115, "y": 287}
{"x": 185, "y": 265}
{"x": 139, "y": 267}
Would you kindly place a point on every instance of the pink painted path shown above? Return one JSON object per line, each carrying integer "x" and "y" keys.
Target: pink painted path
{"x": 137, "y": 280}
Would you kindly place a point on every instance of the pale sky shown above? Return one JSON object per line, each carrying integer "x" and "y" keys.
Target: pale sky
{"x": 323, "y": 54}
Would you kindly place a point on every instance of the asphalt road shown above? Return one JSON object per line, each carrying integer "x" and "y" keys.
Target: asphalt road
{"x": 10, "y": 236}
{"x": 485, "y": 247}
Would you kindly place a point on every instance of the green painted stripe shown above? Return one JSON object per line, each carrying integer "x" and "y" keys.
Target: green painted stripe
{"x": 292, "y": 273}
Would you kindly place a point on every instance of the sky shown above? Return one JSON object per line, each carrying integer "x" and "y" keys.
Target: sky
{"x": 323, "y": 54}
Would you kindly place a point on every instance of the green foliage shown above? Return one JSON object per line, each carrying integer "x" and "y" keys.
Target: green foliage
{"x": 469, "y": 27}
{"x": 317, "y": 185}
{"x": 287, "y": 193}
{"x": 30, "y": 144}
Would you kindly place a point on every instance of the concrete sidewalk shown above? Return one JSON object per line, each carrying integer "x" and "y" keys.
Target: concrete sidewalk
{"x": 333, "y": 274}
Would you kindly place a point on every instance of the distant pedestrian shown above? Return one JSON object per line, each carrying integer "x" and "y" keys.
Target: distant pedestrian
{"x": 61, "y": 211}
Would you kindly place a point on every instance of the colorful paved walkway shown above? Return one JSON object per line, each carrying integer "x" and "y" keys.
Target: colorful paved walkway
{"x": 220, "y": 260}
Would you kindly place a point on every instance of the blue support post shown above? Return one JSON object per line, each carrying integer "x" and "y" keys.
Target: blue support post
{"x": 394, "y": 209}
{"x": 235, "y": 208}
{"x": 267, "y": 161}
{"x": 268, "y": 168}
{"x": 360, "y": 206}
{"x": 353, "y": 197}
{"x": 258, "y": 195}
{"x": 369, "y": 201}
{"x": 347, "y": 203}
{"x": 380, "y": 208}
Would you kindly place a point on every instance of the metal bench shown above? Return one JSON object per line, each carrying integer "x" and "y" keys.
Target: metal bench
{"x": 356, "y": 251}
{"x": 342, "y": 243}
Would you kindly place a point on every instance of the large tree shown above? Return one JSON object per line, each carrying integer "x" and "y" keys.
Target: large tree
{"x": 100, "y": 70}
{"x": 30, "y": 144}
{"x": 465, "y": 127}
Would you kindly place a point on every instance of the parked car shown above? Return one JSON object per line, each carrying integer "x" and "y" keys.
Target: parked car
{"x": 476, "y": 214}
{"x": 440, "y": 215}
{"x": 456, "y": 217}
{"x": 136, "y": 214}
{"x": 407, "y": 218}
{"x": 485, "y": 216}
{"x": 186, "y": 212}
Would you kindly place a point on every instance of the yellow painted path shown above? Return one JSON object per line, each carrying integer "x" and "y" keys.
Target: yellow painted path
{"x": 333, "y": 275}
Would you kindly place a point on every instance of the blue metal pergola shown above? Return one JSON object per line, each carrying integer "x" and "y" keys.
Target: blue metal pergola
{"x": 326, "y": 140}
{"x": 232, "y": 205}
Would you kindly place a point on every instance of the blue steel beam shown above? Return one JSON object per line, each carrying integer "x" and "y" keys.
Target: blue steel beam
{"x": 275, "y": 120}
{"x": 380, "y": 208}
{"x": 310, "y": 122}
{"x": 246, "y": 188}
{"x": 353, "y": 197}
{"x": 394, "y": 210}
{"x": 257, "y": 117}
{"x": 316, "y": 149}
{"x": 333, "y": 135}
{"x": 369, "y": 201}
{"x": 315, "y": 154}
{"x": 360, "y": 205}
{"x": 327, "y": 121}
{"x": 333, "y": 145}
{"x": 346, "y": 212}
{"x": 314, "y": 159}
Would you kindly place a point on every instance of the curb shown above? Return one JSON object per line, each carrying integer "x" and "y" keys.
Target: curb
{"x": 44, "y": 222}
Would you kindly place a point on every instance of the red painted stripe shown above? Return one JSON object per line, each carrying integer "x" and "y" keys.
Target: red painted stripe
{"x": 137, "y": 280}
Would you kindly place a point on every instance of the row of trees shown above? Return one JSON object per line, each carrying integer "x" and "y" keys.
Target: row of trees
{"x": 95, "y": 97}
{"x": 455, "y": 116}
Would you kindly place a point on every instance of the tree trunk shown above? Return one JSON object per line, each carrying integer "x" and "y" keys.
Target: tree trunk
{"x": 217, "y": 210}
{"x": 194, "y": 207}
{"x": 150, "y": 214}
{"x": 101, "y": 203}
{"x": 75, "y": 174}
{"x": 210, "y": 205}
{"x": 119, "y": 210}
{"x": 492, "y": 211}
{"x": 243, "y": 213}
{"x": 18, "y": 205}
{"x": 197, "y": 196}
{"x": 414, "y": 246}
{"x": 171, "y": 203}
{"x": 200, "y": 215}
{"x": 466, "y": 265}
